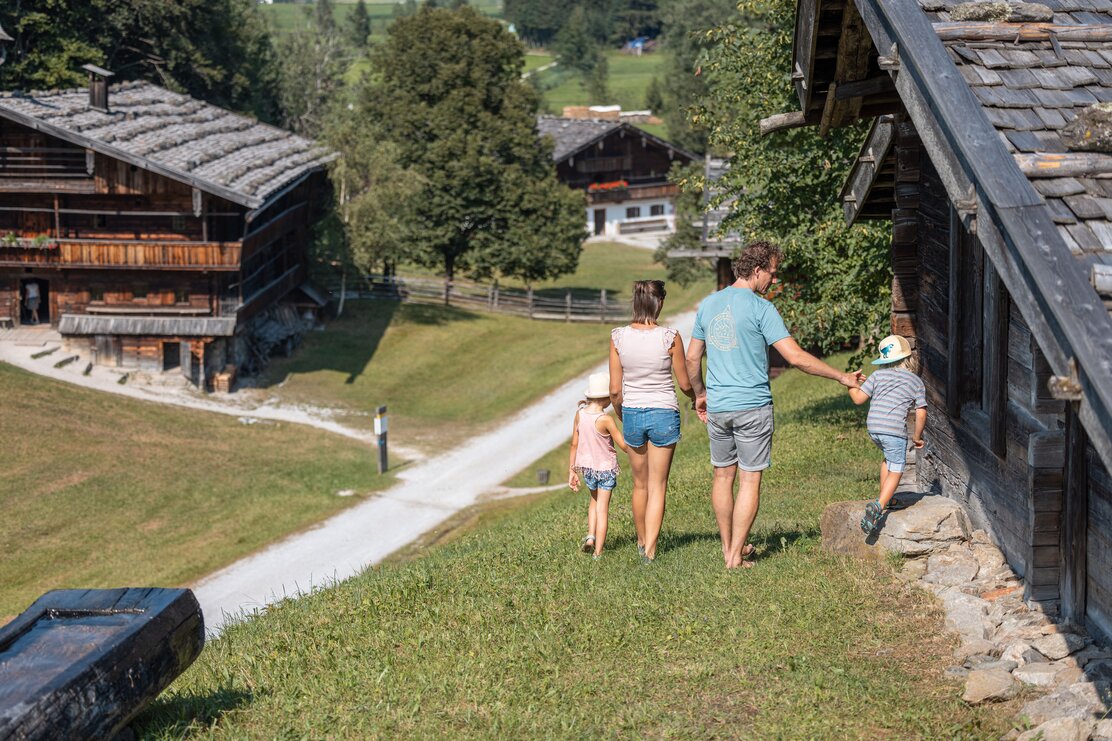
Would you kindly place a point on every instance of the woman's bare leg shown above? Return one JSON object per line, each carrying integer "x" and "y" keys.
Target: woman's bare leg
{"x": 639, "y": 462}
{"x": 660, "y": 465}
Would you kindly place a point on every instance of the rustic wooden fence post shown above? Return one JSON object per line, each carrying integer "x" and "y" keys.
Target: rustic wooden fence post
{"x": 447, "y": 293}
{"x": 494, "y": 295}
{"x": 530, "y": 297}
{"x": 567, "y": 306}
{"x": 602, "y": 306}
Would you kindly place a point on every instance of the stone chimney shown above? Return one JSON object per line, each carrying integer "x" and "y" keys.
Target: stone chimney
{"x": 98, "y": 87}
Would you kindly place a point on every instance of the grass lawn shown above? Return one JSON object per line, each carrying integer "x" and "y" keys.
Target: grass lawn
{"x": 102, "y": 491}
{"x": 629, "y": 79}
{"x": 533, "y": 60}
{"x": 382, "y": 352}
{"x": 508, "y": 632}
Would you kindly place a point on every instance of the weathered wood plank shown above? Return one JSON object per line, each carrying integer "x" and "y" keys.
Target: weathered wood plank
{"x": 954, "y": 316}
{"x": 83, "y": 663}
{"x": 995, "y": 357}
{"x": 1016, "y": 32}
{"x": 1063, "y": 164}
{"x": 1075, "y": 520}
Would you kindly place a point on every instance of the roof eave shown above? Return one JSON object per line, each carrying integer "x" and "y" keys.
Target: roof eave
{"x": 110, "y": 151}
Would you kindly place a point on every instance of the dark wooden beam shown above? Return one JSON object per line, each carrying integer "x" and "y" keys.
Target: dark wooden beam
{"x": 870, "y": 160}
{"x": 995, "y": 362}
{"x": 865, "y": 88}
{"x": 803, "y": 50}
{"x": 1015, "y": 32}
{"x": 855, "y": 48}
{"x": 954, "y": 315}
{"x": 1075, "y": 521}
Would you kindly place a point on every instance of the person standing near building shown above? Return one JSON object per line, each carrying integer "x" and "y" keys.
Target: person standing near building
{"x": 31, "y": 298}
{"x": 734, "y": 328}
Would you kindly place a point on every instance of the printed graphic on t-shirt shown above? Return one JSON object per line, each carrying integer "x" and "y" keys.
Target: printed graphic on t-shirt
{"x": 722, "y": 335}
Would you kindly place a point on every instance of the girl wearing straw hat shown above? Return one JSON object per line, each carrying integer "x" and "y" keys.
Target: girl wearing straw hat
{"x": 593, "y": 458}
{"x": 895, "y": 390}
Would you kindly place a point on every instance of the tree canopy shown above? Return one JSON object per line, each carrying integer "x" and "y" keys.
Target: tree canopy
{"x": 837, "y": 279}
{"x": 216, "y": 50}
{"x": 447, "y": 94}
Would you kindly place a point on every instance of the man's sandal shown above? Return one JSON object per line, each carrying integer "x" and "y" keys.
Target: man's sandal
{"x": 873, "y": 513}
{"x": 587, "y": 545}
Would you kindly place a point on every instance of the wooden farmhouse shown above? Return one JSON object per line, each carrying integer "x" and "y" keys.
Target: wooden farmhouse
{"x": 623, "y": 169}
{"x": 1001, "y": 250}
{"x": 158, "y": 230}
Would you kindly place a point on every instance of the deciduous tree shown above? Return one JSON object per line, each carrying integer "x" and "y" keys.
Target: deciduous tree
{"x": 215, "y": 50}
{"x": 447, "y": 92}
{"x": 837, "y": 279}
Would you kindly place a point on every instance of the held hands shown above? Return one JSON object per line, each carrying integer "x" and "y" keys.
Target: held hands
{"x": 573, "y": 480}
{"x": 853, "y": 379}
{"x": 917, "y": 442}
{"x": 700, "y": 407}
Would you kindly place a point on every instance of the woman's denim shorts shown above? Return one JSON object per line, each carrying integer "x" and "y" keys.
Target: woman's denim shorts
{"x": 658, "y": 426}
{"x": 894, "y": 448}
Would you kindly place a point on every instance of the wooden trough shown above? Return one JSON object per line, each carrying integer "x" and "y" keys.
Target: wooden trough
{"x": 83, "y": 663}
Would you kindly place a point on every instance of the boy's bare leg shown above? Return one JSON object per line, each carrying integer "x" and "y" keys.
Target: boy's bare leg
{"x": 745, "y": 511}
{"x": 602, "y": 517}
{"x": 888, "y": 483}
{"x": 722, "y": 499}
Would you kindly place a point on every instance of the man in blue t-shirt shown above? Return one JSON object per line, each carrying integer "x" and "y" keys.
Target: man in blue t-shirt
{"x": 735, "y": 327}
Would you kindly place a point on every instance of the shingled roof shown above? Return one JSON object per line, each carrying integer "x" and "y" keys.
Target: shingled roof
{"x": 990, "y": 100}
{"x": 220, "y": 152}
{"x": 573, "y": 135}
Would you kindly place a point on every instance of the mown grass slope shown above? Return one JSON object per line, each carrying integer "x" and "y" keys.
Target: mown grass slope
{"x": 510, "y": 632}
{"x": 445, "y": 373}
{"x": 104, "y": 491}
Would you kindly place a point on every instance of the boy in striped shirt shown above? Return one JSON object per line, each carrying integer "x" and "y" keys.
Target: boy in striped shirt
{"x": 895, "y": 390}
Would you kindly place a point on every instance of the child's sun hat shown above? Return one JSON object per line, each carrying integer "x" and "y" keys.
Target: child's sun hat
{"x": 598, "y": 386}
{"x": 893, "y": 349}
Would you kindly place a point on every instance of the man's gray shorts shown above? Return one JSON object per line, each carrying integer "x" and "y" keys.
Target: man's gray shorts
{"x": 744, "y": 438}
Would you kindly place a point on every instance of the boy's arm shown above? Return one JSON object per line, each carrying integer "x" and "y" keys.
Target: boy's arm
{"x": 610, "y": 427}
{"x": 858, "y": 396}
{"x": 920, "y": 425}
{"x": 573, "y": 477}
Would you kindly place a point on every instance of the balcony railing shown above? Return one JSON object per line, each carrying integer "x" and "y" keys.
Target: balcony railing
{"x": 633, "y": 192}
{"x": 131, "y": 254}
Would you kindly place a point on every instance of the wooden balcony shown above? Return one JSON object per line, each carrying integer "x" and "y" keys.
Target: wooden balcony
{"x": 121, "y": 254}
{"x": 633, "y": 193}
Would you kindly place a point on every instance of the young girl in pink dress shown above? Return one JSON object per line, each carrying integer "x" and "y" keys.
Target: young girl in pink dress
{"x": 593, "y": 460}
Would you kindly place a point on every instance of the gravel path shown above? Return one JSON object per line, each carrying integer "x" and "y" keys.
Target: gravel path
{"x": 429, "y": 494}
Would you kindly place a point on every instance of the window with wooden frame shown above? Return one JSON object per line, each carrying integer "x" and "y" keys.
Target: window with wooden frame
{"x": 633, "y": 212}
{"x": 977, "y": 329}
{"x": 139, "y": 292}
{"x": 96, "y": 294}
{"x": 177, "y": 223}
{"x": 657, "y": 209}
{"x": 181, "y": 295}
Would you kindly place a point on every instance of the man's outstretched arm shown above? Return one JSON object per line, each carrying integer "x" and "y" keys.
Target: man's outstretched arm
{"x": 808, "y": 363}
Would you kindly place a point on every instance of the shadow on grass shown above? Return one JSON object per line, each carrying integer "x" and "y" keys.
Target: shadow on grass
{"x": 176, "y": 717}
{"x": 348, "y": 343}
{"x": 839, "y": 411}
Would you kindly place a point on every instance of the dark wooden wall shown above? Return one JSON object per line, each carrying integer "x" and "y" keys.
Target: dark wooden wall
{"x": 997, "y": 440}
{"x": 71, "y": 292}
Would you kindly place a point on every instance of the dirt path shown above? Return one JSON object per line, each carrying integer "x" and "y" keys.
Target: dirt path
{"x": 429, "y": 494}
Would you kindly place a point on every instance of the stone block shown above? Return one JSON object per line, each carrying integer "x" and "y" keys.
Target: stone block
{"x": 993, "y": 685}
{"x": 1039, "y": 675}
{"x": 1059, "y": 645}
{"x": 927, "y": 524}
{"x": 1091, "y": 130}
{"x": 1059, "y": 729}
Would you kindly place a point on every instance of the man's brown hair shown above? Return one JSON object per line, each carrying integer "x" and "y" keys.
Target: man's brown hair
{"x": 648, "y": 299}
{"x": 756, "y": 255}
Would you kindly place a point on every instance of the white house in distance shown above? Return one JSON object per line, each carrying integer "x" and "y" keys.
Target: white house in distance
{"x": 623, "y": 169}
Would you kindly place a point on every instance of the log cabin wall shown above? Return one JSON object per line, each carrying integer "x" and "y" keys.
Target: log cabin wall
{"x": 995, "y": 441}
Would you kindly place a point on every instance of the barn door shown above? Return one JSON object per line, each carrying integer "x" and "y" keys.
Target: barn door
{"x": 186, "y": 356}
{"x": 108, "y": 350}
{"x": 600, "y": 221}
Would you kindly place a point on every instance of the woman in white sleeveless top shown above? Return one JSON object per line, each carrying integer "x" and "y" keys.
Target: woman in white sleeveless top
{"x": 643, "y": 359}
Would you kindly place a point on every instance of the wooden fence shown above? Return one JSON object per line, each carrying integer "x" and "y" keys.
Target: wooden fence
{"x": 570, "y": 307}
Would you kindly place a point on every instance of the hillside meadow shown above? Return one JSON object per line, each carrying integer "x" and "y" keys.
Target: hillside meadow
{"x": 508, "y": 631}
